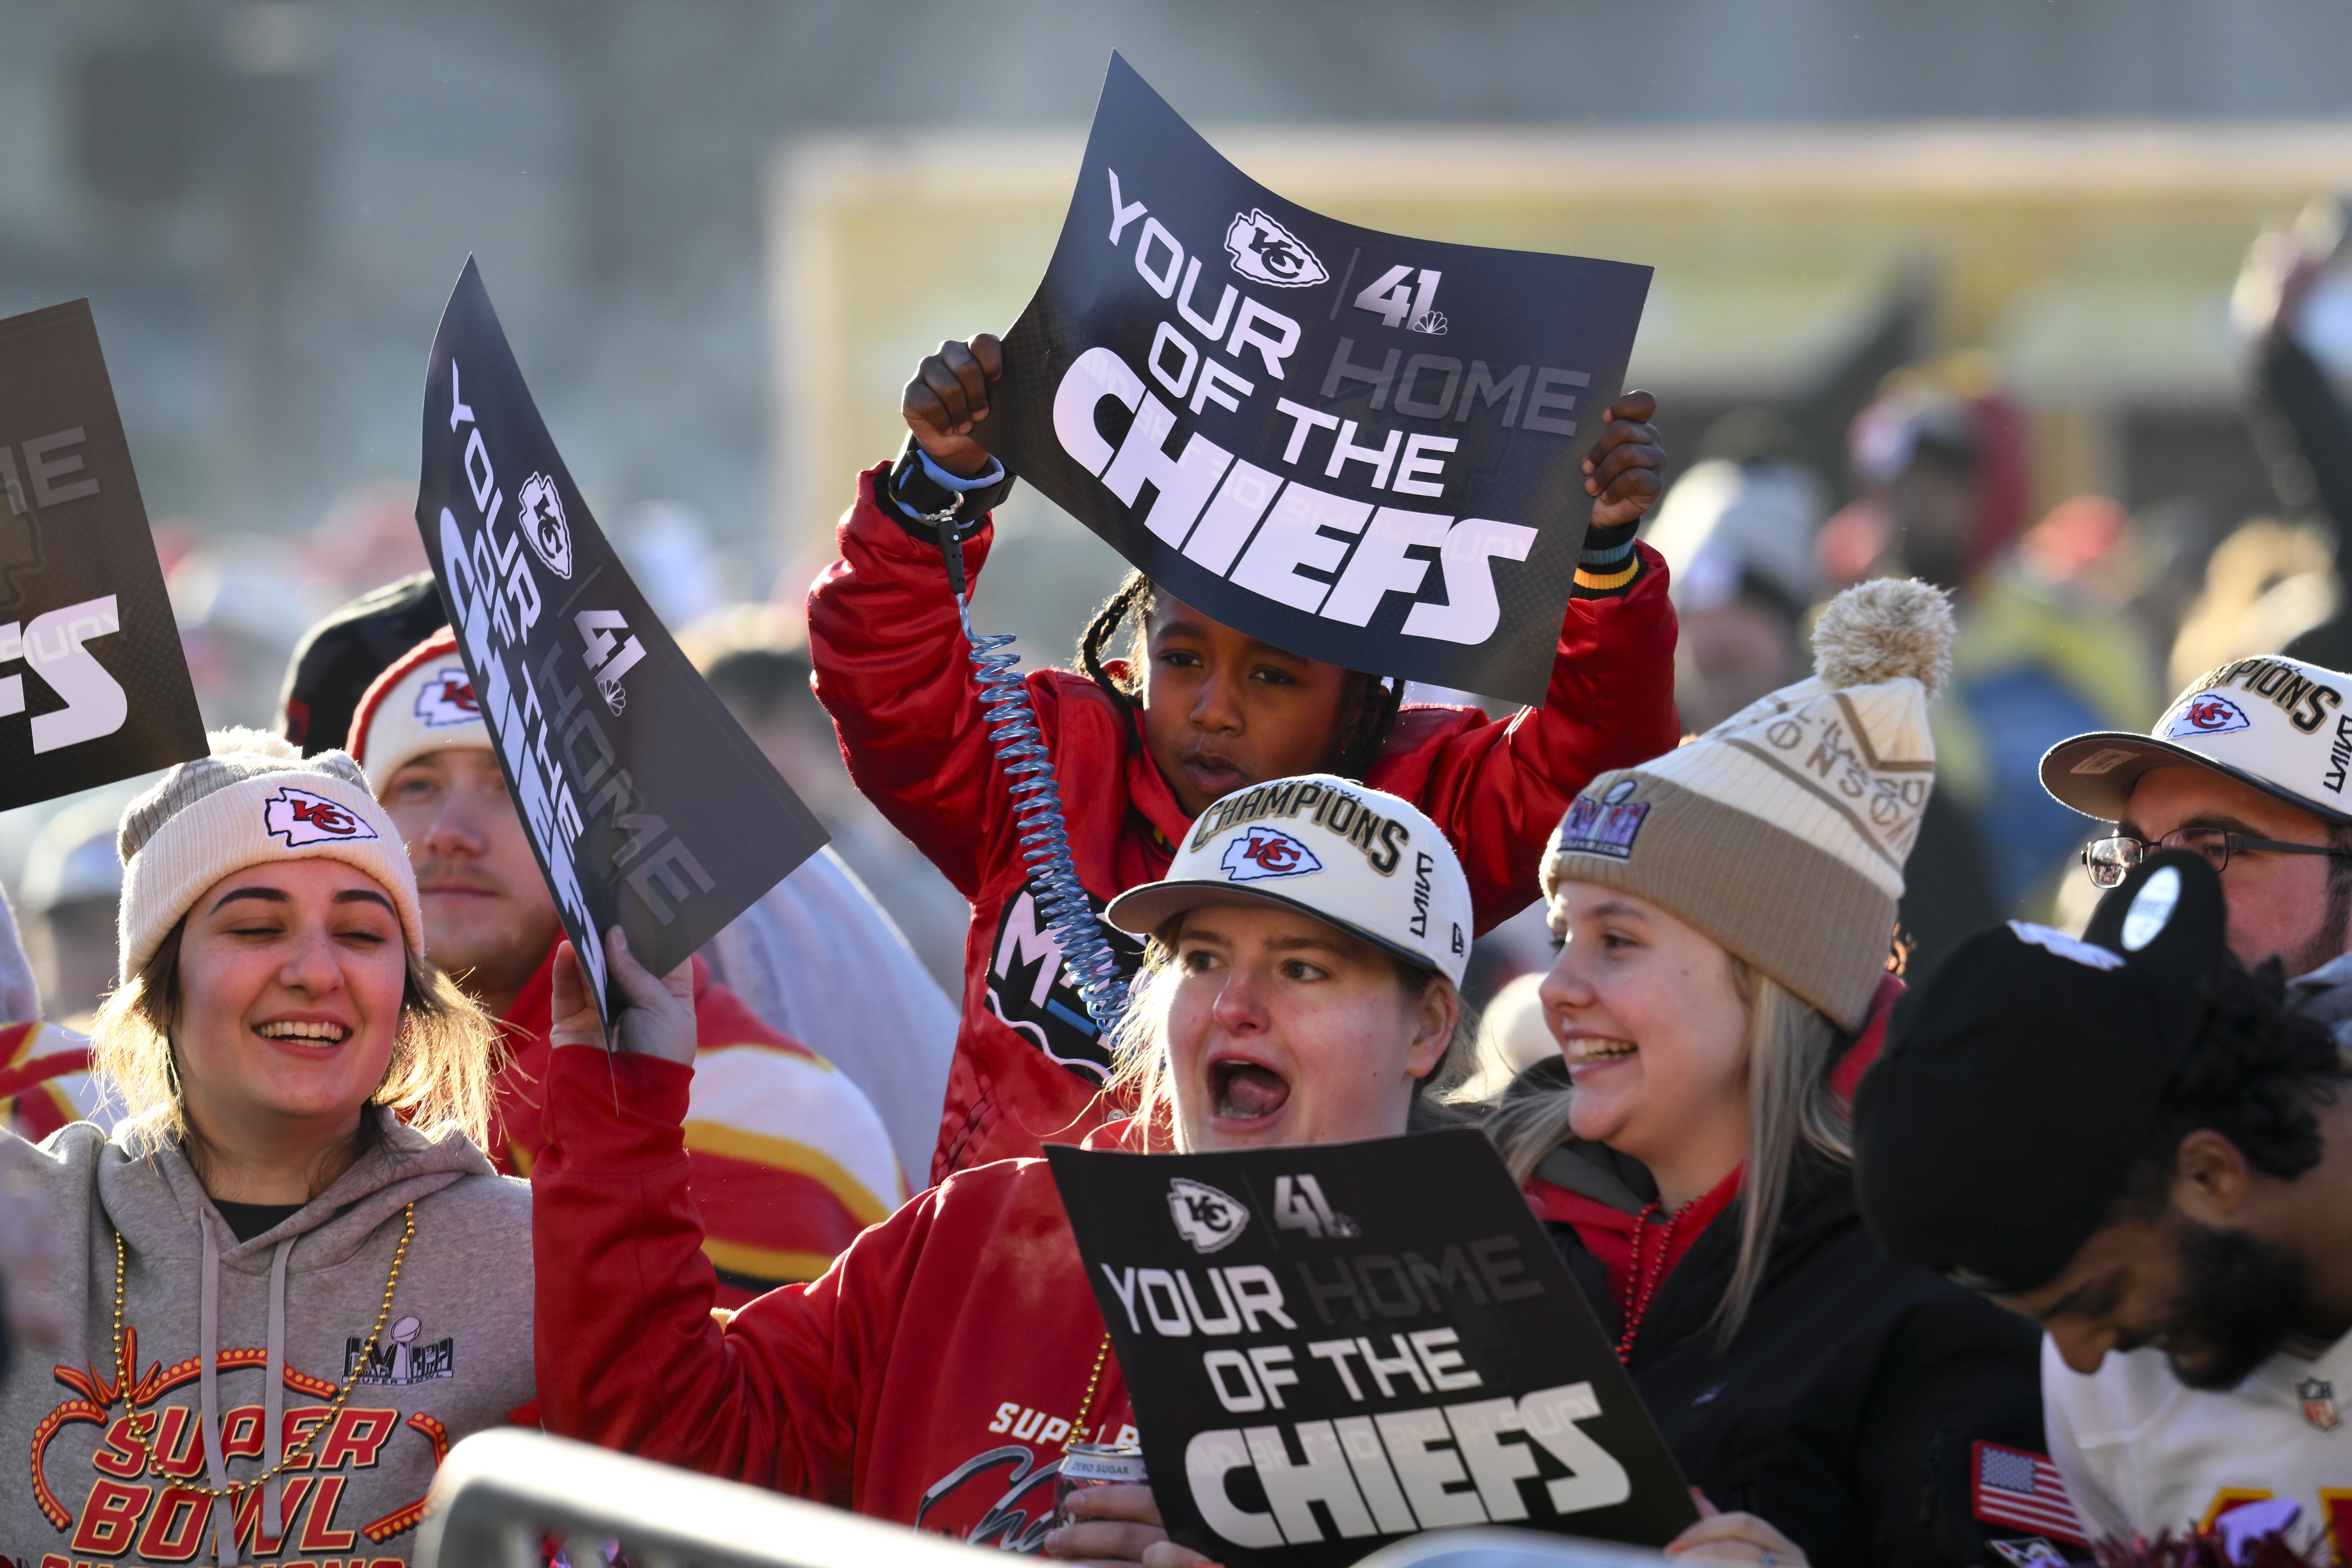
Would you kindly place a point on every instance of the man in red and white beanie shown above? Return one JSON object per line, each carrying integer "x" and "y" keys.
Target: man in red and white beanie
{"x": 788, "y": 1160}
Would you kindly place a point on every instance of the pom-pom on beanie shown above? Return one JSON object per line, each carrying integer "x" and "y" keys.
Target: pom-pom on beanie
{"x": 255, "y": 800}
{"x": 1781, "y": 833}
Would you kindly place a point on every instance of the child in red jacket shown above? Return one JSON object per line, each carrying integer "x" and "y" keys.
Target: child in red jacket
{"x": 1200, "y": 710}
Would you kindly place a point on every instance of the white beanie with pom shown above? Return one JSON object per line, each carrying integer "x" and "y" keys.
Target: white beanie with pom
{"x": 1781, "y": 833}
{"x": 255, "y": 800}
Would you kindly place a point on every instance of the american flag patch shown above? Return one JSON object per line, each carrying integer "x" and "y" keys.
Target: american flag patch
{"x": 2021, "y": 1490}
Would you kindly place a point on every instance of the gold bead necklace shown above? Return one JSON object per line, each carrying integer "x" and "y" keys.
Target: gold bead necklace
{"x": 124, "y": 1371}
{"x": 1086, "y": 1404}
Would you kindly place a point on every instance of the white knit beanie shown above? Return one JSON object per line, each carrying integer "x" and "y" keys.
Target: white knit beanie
{"x": 424, "y": 702}
{"x": 256, "y": 800}
{"x": 1781, "y": 833}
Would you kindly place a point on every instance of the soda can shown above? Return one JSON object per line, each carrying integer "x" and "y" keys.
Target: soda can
{"x": 1087, "y": 1465}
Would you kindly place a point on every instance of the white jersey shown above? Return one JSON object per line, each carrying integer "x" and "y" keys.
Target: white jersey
{"x": 2141, "y": 1454}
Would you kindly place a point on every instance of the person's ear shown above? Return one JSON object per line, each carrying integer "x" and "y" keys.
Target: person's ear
{"x": 1434, "y": 1015}
{"x": 2211, "y": 1180}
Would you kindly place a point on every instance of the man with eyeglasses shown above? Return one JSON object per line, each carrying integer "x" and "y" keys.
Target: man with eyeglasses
{"x": 2247, "y": 768}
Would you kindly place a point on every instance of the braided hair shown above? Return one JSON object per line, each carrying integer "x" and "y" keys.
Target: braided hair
{"x": 1377, "y": 699}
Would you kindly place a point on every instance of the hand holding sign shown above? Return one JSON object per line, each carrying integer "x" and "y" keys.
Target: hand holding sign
{"x": 949, "y": 397}
{"x": 1621, "y": 474}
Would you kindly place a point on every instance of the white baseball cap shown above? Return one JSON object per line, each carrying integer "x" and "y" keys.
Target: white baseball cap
{"x": 2276, "y": 724}
{"x": 1359, "y": 859}
{"x": 424, "y": 702}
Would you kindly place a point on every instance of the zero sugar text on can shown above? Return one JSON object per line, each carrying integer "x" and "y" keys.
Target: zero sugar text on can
{"x": 1094, "y": 1465}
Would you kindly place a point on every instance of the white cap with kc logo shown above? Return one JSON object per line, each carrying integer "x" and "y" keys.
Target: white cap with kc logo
{"x": 2274, "y": 722}
{"x": 1359, "y": 859}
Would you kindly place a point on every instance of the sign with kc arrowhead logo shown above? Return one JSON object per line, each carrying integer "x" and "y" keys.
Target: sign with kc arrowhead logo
{"x": 647, "y": 806}
{"x": 1361, "y": 447}
{"x": 1337, "y": 1345}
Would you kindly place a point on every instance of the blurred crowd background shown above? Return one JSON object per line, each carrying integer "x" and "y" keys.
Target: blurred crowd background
{"x": 2043, "y": 302}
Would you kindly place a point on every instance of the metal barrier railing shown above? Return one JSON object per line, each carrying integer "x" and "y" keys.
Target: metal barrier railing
{"x": 1493, "y": 1548}
{"x": 502, "y": 1494}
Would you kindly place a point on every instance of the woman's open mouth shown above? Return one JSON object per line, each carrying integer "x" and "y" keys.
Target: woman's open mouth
{"x": 1244, "y": 1092}
{"x": 307, "y": 1033}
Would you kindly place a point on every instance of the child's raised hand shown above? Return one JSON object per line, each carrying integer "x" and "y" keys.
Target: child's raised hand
{"x": 950, "y": 396}
{"x": 1621, "y": 474}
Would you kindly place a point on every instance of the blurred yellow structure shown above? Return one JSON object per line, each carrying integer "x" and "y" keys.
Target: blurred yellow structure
{"x": 2093, "y": 260}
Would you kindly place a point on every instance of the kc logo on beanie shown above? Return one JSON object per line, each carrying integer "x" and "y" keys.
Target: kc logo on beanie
{"x": 302, "y": 817}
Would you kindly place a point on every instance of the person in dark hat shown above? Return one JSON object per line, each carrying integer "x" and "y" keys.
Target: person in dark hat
{"x": 340, "y": 657}
{"x": 2130, "y": 1139}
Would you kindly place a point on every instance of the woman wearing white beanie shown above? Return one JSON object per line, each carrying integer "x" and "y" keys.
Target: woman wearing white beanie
{"x": 1727, "y": 910}
{"x": 289, "y": 1280}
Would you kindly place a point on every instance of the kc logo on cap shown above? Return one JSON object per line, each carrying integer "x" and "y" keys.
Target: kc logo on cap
{"x": 302, "y": 817}
{"x": 1357, "y": 858}
{"x": 1262, "y": 853}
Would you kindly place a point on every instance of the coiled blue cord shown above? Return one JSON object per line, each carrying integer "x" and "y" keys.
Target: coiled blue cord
{"x": 1045, "y": 832}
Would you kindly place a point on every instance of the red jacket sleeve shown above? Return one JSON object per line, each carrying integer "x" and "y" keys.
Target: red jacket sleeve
{"x": 1499, "y": 789}
{"x": 893, "y": 669}
{"x": 627, "y": 1352}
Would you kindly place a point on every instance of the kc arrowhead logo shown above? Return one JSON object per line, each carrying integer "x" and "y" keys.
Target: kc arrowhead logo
{"x": 447, "y": 698}
{"x": 2207, "y": 714}
{"x": 540, "y": 517}
{"x": 1204, "y": 1217}
{"x": 1264, "y": 252}
{"x": 302, "y": 817}
{"x": 1263, "y": 853}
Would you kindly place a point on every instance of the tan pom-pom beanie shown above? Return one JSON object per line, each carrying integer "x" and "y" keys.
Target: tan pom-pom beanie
{"x": 1781, "y": 833}
{"x": 255, "y": 799}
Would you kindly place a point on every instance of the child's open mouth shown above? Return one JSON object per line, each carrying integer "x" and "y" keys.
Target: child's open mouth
{"x": 1244, "y": 1092}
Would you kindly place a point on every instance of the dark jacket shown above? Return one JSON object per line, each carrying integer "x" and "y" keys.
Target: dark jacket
{"x": 1845, "y": 1410}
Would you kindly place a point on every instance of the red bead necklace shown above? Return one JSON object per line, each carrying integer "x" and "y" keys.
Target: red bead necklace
{"x": 1641, "y": 1282}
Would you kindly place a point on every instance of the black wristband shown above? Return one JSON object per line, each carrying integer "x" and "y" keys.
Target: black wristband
{"x": 911, "y": 489}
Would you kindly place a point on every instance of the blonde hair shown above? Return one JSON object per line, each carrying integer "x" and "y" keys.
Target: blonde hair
{"x": 1141, "y": 1079}
{"x": 438, "y": 1079}
{"x": 1790, "y": 1105}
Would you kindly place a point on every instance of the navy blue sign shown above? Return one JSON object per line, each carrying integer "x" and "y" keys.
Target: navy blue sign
{"x": 647, "y": 806}
{"x": 1333, "y": 1345}
{"x": 1364, "y": 448}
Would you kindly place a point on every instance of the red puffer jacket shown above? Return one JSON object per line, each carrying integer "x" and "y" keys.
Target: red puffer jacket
{"x": 891, "y": 668}
{"x": 930, "y": 1377}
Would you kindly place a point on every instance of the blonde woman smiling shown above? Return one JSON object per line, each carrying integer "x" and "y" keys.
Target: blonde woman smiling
{"x": 1725, "y": 914}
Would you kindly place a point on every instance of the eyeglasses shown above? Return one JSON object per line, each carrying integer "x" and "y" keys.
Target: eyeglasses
{"x": 2108, "y": 861}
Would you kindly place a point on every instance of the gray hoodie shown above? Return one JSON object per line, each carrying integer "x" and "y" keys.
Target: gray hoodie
{"x": 259, "y": 1336}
